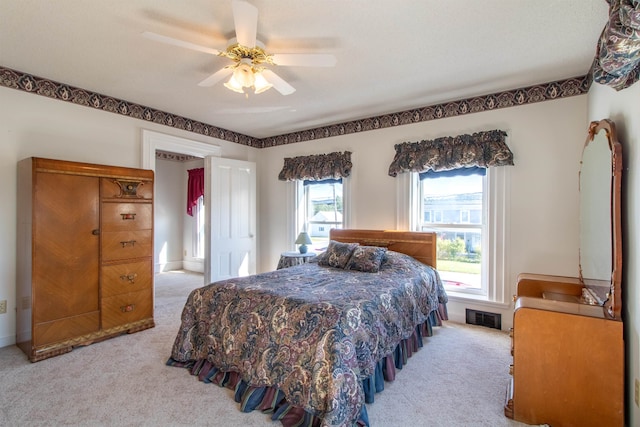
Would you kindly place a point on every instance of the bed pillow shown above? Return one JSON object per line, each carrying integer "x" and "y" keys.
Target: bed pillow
{"x": 337, "y": 254}
{"x": 366, "y": 258}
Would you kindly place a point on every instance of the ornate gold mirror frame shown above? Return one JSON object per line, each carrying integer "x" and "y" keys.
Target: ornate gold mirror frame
{"x": 608, "y": 290}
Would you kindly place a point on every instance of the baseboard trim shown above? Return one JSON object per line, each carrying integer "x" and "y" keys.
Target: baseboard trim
{"x": 169, "y": 266}
{"x": 196, "y": 266}
{"x": 7, "y": 341}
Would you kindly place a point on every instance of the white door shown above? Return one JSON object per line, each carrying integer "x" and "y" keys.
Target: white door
{"x": 230, "y": 203}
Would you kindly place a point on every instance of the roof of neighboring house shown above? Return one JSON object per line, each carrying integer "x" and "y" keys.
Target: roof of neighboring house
{"x": 327, "y": 216}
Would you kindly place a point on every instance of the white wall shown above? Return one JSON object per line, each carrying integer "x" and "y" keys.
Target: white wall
{"x": 168, "y": 212}
{"x": 546, "y": 140}
{"x": 32, "y": 125}
{"x": 623, "y": 108}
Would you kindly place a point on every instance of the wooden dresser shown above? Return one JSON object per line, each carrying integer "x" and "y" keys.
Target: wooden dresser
{"x": 568, "y": 358}
{"x": 568, "y": 333}
{"x": 84, "y": 254}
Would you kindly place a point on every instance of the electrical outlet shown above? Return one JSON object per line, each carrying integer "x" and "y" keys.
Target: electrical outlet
{"x": 636, "y": 394}
{"x": 3, "y": 306}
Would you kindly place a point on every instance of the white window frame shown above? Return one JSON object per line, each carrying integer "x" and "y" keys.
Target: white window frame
{"x": 494, "y": 247}
{"x": 199, "y": 235}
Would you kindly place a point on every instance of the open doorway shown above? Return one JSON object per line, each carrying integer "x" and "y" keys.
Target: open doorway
{"x": 194, "y": 152}
{"x": 179, "y": 232}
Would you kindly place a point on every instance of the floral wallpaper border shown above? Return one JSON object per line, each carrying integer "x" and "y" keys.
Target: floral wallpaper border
{"x": 63, "y": 92}
{"x": 174, "y": 157}
{"x": 511, "y": 98}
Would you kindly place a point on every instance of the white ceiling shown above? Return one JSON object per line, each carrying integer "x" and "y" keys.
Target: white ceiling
{"x": 392, "y": 55}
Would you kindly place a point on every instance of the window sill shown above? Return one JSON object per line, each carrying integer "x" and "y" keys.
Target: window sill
{"x": 462, "y": 297}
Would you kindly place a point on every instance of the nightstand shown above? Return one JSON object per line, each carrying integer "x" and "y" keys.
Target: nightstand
{"x": 289, "y": 259}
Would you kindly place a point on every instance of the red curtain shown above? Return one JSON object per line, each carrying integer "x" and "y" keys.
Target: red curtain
{"x": 195, "y": 188}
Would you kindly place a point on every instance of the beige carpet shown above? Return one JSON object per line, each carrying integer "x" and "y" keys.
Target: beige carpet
{"x": 457, "y": 379}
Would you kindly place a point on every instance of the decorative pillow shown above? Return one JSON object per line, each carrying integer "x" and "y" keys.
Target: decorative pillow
{"x": 337, "y": 254}
{"x": 366, "y": 258}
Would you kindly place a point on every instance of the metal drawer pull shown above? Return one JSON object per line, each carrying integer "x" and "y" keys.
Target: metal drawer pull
{"x": 130, "y": 242}
{"x": 130, "y": 277}
{"x": 127, "y": 308}
{"x": 126, "y": 216}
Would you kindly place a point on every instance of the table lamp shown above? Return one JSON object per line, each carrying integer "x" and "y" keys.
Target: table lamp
{"x": 303, "y": 240}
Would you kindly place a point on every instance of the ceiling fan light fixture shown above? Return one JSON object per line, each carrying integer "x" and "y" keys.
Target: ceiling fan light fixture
{"x": 261, "y": 84}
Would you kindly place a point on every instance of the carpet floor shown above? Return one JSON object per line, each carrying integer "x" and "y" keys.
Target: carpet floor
{"x": 457, "y": 379}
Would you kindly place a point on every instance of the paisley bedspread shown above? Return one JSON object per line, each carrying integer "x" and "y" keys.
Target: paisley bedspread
{"x": 313, "y": 332}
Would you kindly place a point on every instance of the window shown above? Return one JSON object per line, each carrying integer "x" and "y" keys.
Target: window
{"x": 320, "y": 183}
{"x": 494, "y": 286}
{"x": 198, "y": 228}
{"x": 321, "y": 209}
{"x": 459, "y": 207}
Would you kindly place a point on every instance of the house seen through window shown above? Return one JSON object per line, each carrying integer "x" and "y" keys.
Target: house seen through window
{"x": 453, "y": 205}
{"x": 323, "y": 210}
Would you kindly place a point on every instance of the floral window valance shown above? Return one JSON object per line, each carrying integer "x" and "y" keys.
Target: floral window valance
{"x": 317, "y": 167}
{"x": 617, "y": 61}
{"x": 482, "y": 149}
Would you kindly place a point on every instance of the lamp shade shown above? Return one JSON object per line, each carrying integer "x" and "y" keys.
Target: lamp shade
{"x": 233, "y": 85}
{"x": 261, "y": 84}
{"x": 303, "y": 240}
{"x": 243, "y": 74}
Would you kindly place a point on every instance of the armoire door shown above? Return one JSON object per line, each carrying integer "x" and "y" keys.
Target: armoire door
{"x": 65, "y": 256}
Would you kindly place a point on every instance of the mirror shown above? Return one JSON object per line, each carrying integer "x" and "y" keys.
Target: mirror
{"x": 600, "y": 230}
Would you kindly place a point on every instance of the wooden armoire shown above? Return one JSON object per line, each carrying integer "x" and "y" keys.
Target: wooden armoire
{"x": 84, "y": 254}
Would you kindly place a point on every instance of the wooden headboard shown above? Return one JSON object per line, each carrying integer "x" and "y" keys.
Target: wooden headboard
{"x": 419, "y": 244}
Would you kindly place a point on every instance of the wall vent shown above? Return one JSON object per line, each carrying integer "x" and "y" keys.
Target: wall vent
{"x": 483, "y": 318}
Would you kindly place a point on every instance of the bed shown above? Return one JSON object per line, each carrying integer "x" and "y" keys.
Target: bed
{"x": 311, "y": 344}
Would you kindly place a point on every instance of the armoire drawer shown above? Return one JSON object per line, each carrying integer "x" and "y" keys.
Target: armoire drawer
{"x": 116, "y": 188}
{"x": 124, "y": 278}
{"x": 121, "y": 245}
{"x": 126, "y": 216}
{"x": 126, "y": 308}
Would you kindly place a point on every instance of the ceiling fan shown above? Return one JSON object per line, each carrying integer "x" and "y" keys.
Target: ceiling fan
{"x": 250, "y": 61}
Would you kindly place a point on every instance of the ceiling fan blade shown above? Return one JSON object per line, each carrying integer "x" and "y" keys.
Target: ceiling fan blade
{"x": 216, "y": 77}
{"x": 181, "y": 43}
{"x": 245, "y": 17}
{"x": 304, "y": 59}
{"x": 277, "y": 82}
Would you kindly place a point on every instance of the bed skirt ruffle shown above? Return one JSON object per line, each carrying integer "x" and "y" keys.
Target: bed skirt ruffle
{"x": 271, "y": 400}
